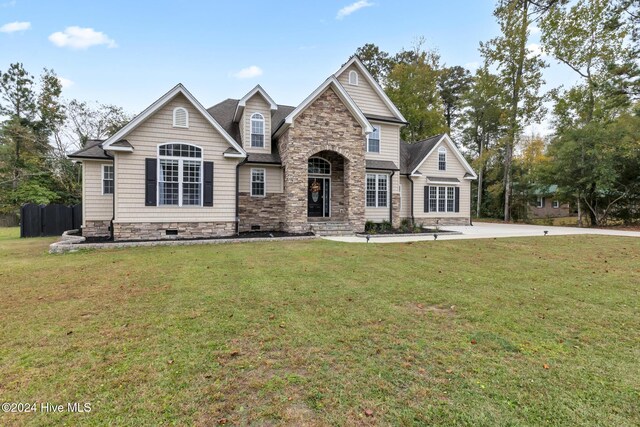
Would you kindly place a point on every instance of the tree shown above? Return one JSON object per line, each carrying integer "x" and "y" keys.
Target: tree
{"x": 453, "y": 83}
{"x": 378, "y": 62}
{"x": 412, "y": 85}
{"x": 481, "y": 122}
{"x": 92, "y": 121}
{"x": 520, "y": 73}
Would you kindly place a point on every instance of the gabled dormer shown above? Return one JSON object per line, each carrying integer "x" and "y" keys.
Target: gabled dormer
{"x": 253, "y": 115}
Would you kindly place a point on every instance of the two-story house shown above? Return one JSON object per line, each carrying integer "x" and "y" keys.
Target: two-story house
{"x": 178, "y": 170}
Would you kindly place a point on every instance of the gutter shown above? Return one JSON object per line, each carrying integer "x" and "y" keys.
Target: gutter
{"x": 391, "y": 193}
{"x": 238, "y": 192}
{"x": 413, "y": 220}
{"x": 113, "y": 201}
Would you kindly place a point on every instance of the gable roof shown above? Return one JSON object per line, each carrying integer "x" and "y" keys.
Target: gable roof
{"x": 243, "y": 101}
{"x": 373, "y": 83}
{"x": 332, "y": 82}
{"x": 110, "y": 143}
{"x": 412, "y": 156}
{"x": 92, "y": 150}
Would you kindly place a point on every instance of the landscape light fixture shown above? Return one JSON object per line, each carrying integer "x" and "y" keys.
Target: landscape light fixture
{"x": 546, "y": 232}
{"x": 435, "y": 236}
{"x": 368, "y": 236}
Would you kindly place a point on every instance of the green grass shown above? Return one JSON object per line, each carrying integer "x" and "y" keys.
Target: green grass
{"x": 529, "y": 331}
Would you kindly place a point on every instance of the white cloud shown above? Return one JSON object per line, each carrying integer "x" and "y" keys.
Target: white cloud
{"x": 353, "y": 7}
{"x": 535, "y": 30}
{"x": 81, "y": 38}
{"x": 65, "y": 82}
{"x": 535, "y": 50}
{"x": 248, "y": 73}
{"x": 8, "y": 3}
{"x": 12, "y": 27}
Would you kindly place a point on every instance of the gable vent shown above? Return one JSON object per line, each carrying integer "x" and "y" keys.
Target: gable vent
{"x": 180, "y": 118}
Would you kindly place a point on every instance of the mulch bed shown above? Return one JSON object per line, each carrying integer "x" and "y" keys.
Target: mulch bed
{"x": 243, "y": 235}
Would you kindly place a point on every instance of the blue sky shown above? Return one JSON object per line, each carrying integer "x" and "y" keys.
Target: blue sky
{"x": 129, "y": 53}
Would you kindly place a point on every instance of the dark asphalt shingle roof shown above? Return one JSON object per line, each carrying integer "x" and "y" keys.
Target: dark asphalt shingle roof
{"x": 386, "y": 165}
{"x": 442, "y": 179}
{"x": 91, "y": 150}
{"x": 412, "y": 154}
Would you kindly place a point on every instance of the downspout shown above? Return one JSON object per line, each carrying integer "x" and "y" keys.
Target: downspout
{"x": 413, "y": 220}
{"x": 113, "y": 200}
{"x": 391, "y": 192}
{"x": 470, "y": 204}
{"x": 238, "y": 192}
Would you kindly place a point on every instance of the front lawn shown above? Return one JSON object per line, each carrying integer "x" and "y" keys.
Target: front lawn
{"x": 528, "y": 331}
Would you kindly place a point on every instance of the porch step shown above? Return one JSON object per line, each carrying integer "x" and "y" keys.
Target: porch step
{"x": 332, "y": 229}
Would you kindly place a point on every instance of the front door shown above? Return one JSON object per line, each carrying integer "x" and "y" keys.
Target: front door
{"x": 319, "y": 197}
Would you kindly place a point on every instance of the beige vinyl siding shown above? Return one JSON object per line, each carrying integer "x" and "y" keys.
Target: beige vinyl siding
{"x": 95, "y": 205}
{"x": 455, "y": 169}
{"x": 405, "y": 194}
{"x": 363, "y": 94}
{"x": 273, "y": 176}
{"x": 256, "y": 104}
{"x": 389, "y": 144}
{"x": 158, "y": 129}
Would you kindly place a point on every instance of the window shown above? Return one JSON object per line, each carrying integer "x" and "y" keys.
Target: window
{"x": 556, "y": 204}
{"x": 179, "y": 175}
{"x": 180, "y": 118}
{"x": 442, "y": 159}
{"x": 540, "y": 202}
{"x": 318, "y": 166}
{"x": 107, "y": 179}
{"x": 377, "y": 190}
{"x": 257, "y": 130}
{"x": 257, "y": 182}
{"x": 373, "y": 140}
{"x": 353, "y": 78}
{"x": 442, "y": 199}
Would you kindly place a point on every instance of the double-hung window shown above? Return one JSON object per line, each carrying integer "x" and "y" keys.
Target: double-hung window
{"x": 442, "y": 199}
{"x": 442, "y": 159}
{"x": 107, "y": 179}
{"x": 258, "y": 183}
{"x": 257, "y": 130}
{"x": 377, "y": 190}
{"x": 179, "y": 175}
{"x": 373, "y": 140}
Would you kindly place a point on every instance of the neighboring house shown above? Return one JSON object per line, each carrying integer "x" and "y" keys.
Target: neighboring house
{"x": 547, "y": 205}
{"x": 178, "y": 170}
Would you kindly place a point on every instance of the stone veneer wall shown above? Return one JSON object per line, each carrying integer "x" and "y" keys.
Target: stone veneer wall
{"x": 266, "y": 212}
{"x": 325, "y": 125}
{"x": 96, "y": 228}
{"x": 157, "y": 230}
{"x": 395, "y": 219}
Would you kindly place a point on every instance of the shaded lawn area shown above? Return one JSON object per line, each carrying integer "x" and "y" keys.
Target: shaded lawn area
{"x": 527, "y": 331}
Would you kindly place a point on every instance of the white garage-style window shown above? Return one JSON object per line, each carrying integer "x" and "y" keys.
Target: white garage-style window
{"x": 257, "y": 130}
{"x": 442, "y": 159}
{"x": 180, "y": 117}
{"x": 353, "y": 78}
{"x": 373, "y": 140}
{"x": 179, "y": 175}
{"x": 377, "y": 190}
{"x": 442, "y": 199}
{"x": 258, "y": 182}
{"x": 107, "y": 179}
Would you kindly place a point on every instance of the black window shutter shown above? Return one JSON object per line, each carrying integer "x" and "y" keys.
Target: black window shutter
{"x": 207, "y": 189}
{"x": 456, "y": 199}
{"x": 543, "y": 201}
{"x": 426, "y": 198}
{"x": 151, "y": 178}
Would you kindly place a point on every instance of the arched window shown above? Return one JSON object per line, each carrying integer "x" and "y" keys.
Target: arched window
{"x": 318, "y": 166}
{"x": 442, "y": 159}
{"x": 353, "y": 78}
{"x": 180, "y": 117}
{"x": 179, "y": 175}
{"x": 257, "y": 130}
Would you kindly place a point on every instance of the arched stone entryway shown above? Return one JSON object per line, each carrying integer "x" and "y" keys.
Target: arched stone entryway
{"x": 326, "y": 199}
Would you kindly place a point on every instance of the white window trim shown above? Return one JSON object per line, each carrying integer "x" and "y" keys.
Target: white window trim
{"x": 186, "y": 113}
{"x": 442, "y": 150}
{"x": 353, "y": 73}
{"x": 319, "y": 174}
{"x": 264, "y": 129}
{"x": 102, "y": 180}
{"x": 376, "y": 175}
{"x": 264, "y": 174}
{"x": 555, "y": 204}
{"x": 379, "y": 140}
{"x": 446, "y": 198}
{"x": 180, "y": 177}
{"x": 540, "y": 202}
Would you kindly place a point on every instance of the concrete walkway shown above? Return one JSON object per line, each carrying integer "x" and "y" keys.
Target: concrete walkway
{"x": 485, "y": 230}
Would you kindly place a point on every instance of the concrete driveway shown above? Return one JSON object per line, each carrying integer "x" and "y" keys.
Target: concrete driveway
{"x": 486, "y": 230}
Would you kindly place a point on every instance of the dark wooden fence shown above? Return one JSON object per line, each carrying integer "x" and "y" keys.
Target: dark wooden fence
{"x": 48, "y": 220}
